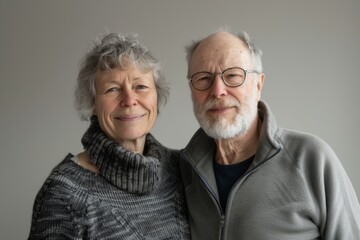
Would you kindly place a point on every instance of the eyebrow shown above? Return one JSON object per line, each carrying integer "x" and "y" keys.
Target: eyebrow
{"x": 106, "y": 82}
{"x": 112, "y": 81}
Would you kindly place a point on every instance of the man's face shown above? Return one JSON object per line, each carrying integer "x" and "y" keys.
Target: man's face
{"x": 222, "y": 111}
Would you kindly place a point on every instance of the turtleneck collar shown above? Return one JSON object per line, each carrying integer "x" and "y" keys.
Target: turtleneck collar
{"x": 131, "y": 172}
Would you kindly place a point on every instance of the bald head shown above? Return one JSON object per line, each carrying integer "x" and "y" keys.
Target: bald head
{"x": 217, "y": 42}
{"x": 226, "y": 44}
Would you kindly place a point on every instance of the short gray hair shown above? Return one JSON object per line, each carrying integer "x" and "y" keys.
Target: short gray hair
{"x": 111, "y": 51}
{"x": 255, "y": 52}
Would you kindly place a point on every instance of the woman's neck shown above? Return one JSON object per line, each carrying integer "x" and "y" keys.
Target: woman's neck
{"x": 134, "y": 145}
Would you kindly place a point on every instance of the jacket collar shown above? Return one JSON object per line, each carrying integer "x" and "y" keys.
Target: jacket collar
{"x": 269, "y": 143}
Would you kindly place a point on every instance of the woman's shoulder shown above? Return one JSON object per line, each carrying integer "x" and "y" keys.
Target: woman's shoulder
{"x": 66, "y": 179}
{"x": 63, "y": 196}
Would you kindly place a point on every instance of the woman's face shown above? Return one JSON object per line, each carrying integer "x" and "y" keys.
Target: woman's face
{"x": 125, "y": 103}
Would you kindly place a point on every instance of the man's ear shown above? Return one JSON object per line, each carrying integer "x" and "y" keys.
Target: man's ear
{"x": 260, "y": 85}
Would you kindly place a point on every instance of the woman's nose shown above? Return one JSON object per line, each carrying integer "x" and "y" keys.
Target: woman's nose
{"x": 128, "y": 98}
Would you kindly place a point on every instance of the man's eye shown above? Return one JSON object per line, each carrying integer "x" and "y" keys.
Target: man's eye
{"x": 204, "y": 78}
{"x": 233, "y": 78}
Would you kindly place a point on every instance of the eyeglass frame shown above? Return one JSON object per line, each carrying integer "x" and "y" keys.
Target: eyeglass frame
{"x": 213, "y": 76}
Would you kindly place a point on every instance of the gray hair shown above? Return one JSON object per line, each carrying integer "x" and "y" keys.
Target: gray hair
{"x": 111, "y": 51}
{"x": 254, "y": 51}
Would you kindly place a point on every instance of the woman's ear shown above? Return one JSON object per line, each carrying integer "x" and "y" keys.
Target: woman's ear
{"x": 93, "y": 118}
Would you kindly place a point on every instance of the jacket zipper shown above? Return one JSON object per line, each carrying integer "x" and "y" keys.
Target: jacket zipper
{"x": 221, "y": 226}
{"x": 209, "y": 189}
{"x": 242, "y": 179}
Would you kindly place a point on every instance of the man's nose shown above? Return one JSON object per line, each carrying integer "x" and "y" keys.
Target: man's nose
{"x": 218, "y": 88}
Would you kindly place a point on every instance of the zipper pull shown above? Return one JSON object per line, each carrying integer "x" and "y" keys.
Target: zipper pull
{"x": 221, "y": 226}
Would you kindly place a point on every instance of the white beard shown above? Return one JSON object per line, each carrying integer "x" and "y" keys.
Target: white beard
{"x": 222, "y": 128}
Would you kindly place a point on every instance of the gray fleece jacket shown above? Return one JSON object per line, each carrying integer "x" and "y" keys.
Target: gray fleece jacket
{"x": 295, "y": 189}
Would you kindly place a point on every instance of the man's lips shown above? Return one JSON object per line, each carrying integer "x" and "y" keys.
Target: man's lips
{"x": 218, "y": 109}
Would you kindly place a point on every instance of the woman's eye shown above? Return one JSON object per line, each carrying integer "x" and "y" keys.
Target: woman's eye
{"x": 140, "y": 87}
{"x": 113, "y": 89}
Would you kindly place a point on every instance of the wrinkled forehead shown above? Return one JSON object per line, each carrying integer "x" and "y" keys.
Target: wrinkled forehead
{"x": 218, "y": 53}
{"x": 123, "y": 62}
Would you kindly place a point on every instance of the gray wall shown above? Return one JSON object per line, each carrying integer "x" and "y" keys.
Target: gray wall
{"x": 311, "y": 58}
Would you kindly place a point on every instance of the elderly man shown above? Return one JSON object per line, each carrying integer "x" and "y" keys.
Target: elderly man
{"x": 245, "y": 177}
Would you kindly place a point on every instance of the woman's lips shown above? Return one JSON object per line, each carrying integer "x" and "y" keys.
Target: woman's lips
{"x": 130, "y": 117}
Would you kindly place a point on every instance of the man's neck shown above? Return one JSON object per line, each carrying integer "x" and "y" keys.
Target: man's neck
{"x": 237, "y": 149}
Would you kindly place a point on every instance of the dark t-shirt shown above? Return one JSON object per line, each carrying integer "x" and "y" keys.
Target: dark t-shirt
{"x": 227, "y": 175}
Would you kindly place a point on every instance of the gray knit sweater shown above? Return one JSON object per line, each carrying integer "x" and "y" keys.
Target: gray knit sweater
{"x": 132, "y": 197}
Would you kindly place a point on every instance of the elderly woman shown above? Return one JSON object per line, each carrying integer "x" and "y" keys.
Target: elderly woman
{"x": 125, "y": 184}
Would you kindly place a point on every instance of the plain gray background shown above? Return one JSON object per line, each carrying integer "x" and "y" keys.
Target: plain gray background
{"x": 311, "y": 61}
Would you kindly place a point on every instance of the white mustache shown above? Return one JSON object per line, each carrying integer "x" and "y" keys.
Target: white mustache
{"x": 221, "y": 103}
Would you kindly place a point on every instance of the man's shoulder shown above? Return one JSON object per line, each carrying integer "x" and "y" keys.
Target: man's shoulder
{"x": 293, "y": 138}
{"x": 306, "y": 148}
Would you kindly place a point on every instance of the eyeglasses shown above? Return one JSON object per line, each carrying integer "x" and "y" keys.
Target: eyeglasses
{"x": 232, "y": 77}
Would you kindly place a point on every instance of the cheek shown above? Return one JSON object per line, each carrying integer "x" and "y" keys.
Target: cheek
{"x": 197, "y": 97}
{"x": 153, "y": 117}
{"x": 97, "y": 107}
{"x": 152, "y": 108}
{"x": 104, "y": 106}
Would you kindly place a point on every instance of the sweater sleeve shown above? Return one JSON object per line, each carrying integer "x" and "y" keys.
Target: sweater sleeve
{"x": 333, "y": 193}
{"x": 53, "y": 216}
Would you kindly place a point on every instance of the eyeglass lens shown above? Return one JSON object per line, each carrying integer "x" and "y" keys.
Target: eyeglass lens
{"x": 232, "y": 77}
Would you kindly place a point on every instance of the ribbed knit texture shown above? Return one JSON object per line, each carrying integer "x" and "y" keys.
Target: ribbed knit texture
{"x": 128, "y": 171}
{"x": 132, "y": 197}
